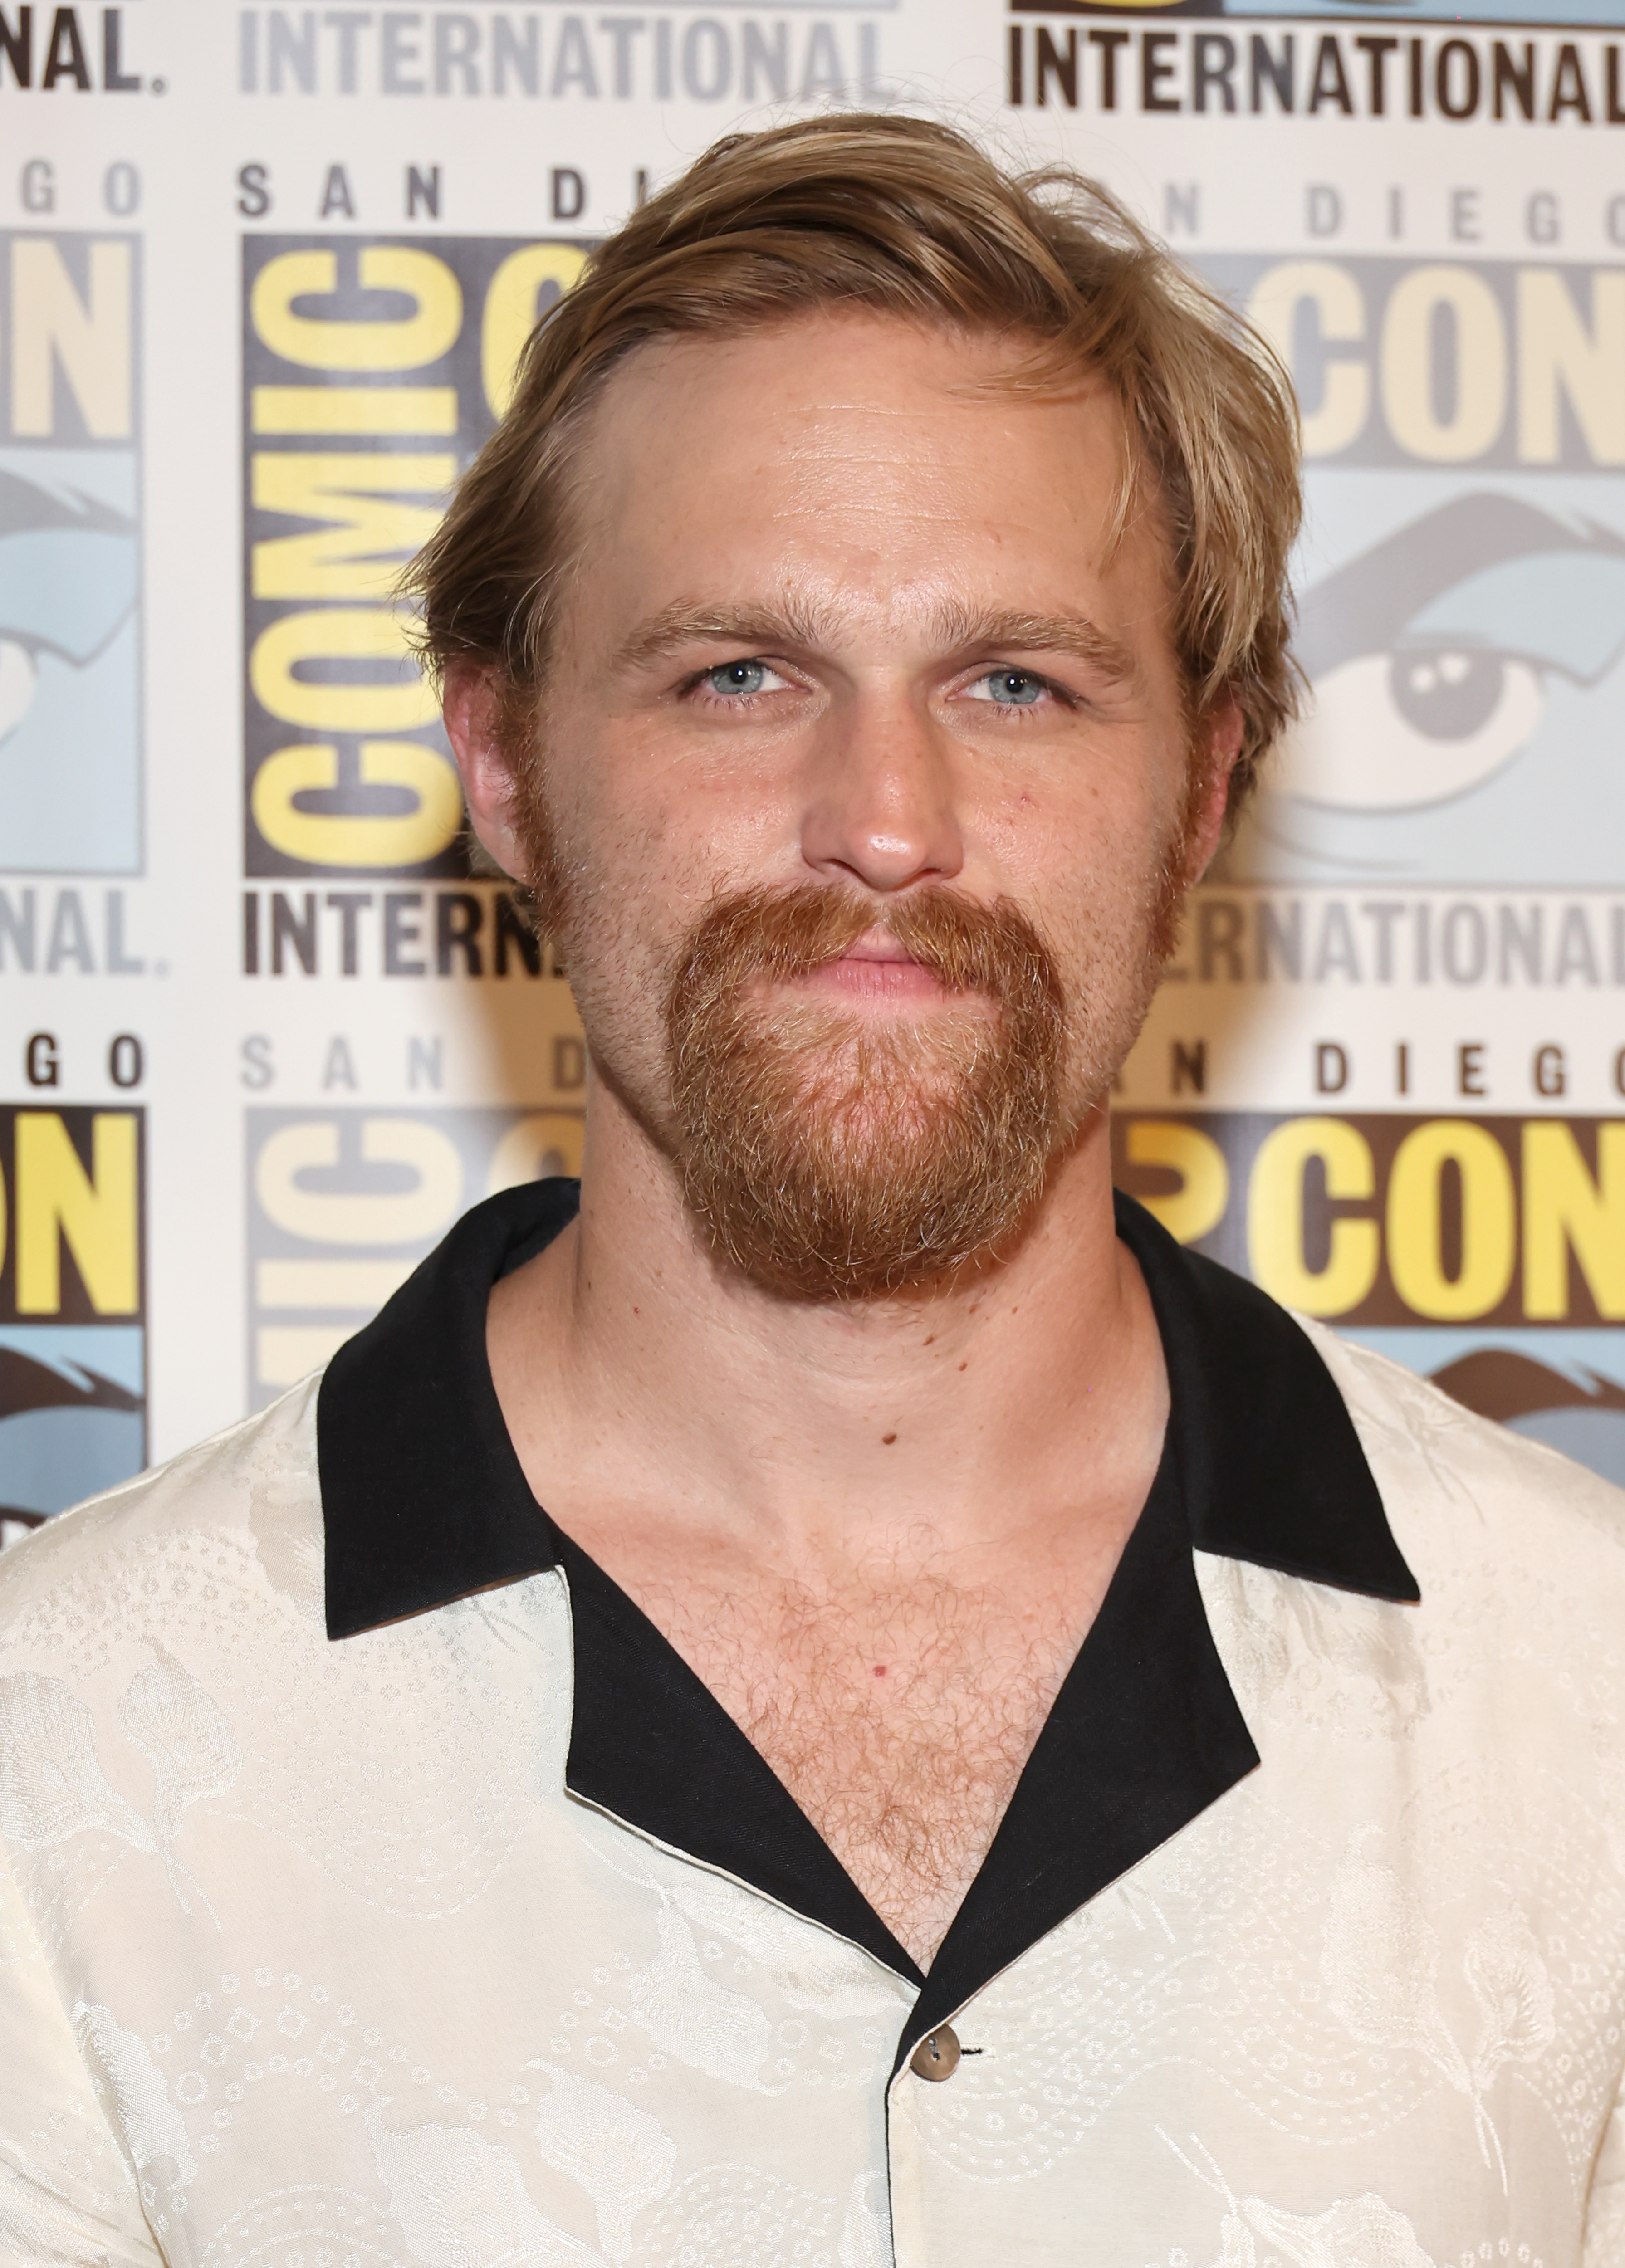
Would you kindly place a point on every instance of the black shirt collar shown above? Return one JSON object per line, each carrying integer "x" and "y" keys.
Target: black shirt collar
{"x": 424, "y": 1501}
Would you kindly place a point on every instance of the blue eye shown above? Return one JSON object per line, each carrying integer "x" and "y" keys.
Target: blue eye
{"x": 737, "y": 677}
{"x": 1013, "y": 689}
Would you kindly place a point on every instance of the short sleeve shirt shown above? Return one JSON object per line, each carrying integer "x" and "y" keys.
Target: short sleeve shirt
{"x": 377, "y": 1886}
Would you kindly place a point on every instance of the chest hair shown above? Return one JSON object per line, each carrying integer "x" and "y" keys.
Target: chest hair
{"x": 899, "y": 1714}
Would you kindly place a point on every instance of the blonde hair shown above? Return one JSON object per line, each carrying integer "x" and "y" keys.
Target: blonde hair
{"x": 904, "y": 216}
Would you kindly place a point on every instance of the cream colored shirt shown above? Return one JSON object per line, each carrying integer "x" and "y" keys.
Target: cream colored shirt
{"x": 311, "y": 1958}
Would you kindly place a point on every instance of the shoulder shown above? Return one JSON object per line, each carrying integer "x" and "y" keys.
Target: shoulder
{"x": 1456, "y": 1485}
{"x": 249, "y": 1494}
{"x": 1501, "y": 1674}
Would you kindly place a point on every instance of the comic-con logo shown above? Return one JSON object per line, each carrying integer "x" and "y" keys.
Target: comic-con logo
{"x": 72, "y": 1314}
{"x": 1462, "y": 578}
{"x": 342, "y": 1205}
{"x": 1488, "y": 1252}
{"x": 373, "y": 373}
{"x": 1531, "y": 14}
{"x": 70, "y": 556}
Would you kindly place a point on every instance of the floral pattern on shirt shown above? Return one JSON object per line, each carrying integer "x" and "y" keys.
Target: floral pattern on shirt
{"x": 309, "y": 1960}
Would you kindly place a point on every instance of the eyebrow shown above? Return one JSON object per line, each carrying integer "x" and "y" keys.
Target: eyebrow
{"x": 765, "y": 629}
{"x": 751, "y": 628}
{"x": 1014, "y": 631}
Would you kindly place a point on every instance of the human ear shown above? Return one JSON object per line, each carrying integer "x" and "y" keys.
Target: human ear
{"x": 1214, "y": 758}
{"x": 471, "y": 708}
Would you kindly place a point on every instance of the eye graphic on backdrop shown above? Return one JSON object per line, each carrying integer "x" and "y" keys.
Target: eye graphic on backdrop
{"x": 1428, "y": 655}
{"x": 67, "y": 1427}
{"x": 67, "y": 585}
{"x": 19, "y": 677}
{"x": 1411, "y": 727}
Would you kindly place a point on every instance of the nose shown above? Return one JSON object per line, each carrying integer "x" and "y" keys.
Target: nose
{"x": 880, "y": 808}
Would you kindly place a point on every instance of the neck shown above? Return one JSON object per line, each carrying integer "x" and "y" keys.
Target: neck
{"x": 642, "y": 1381}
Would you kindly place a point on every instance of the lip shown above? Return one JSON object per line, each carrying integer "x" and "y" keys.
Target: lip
{"x": 880, "y": 948}
{"x": 877, "y": 970}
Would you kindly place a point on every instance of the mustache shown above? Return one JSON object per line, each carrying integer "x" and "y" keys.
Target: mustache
{"x": 830, "y": 1158}
{"x": 789, "y": 932}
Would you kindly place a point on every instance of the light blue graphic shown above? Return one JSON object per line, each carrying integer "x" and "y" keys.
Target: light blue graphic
{"x": 70, "y": 708}
{"x": 1463, "y": 638}
{"x": 1426, "y": 12}
{"x": 72, "y": 1413}
{"x": 1565, "y": 1388}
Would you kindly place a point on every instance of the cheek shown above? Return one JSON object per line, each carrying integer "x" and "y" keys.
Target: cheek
{"x": 648, "y": 854}
{"x": 655, "y": 782}
{"x": 610, "y": 823}
{"x": 1089, "y": 846}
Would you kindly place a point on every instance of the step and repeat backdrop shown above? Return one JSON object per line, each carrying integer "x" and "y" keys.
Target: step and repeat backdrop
{"x": 265, "y": 273}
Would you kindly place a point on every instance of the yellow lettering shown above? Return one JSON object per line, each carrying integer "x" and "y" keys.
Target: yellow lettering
{"x": 360, "y": 1216}
{"x": 350, "y": 1286}
{"x": 322, "y": 838}
{"x": 1558, "y": 356}
{"x": 511, "y": 311}
{"x": 339, "y": 634}
{"x": 97, "y": 1215}
{"x": 1276, "y": 1216}
{"x": 1564, "y": 1209}
{"x": 286, "y": 1352}
{"x": 355, "y": 555}
{"x": 354, "y": 409}
{"x": 1409, "y": 329}
{"x": 52, "y": 327}
{"x": 1340, "y": 316}
{"x": 548, "y": 1142}
{"x": 1198, "y": 1204}
{"x": 1489, "y": 1221}
{"x": 405, "y": 342}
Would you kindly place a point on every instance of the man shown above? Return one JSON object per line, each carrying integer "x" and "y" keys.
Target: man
{"x": 1003, "y": 1745}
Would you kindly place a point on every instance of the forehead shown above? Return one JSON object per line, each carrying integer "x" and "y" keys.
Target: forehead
{"x": 858, "y": 449}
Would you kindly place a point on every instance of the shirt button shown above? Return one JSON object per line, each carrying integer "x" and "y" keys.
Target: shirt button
{"x": 937, "y": 2056}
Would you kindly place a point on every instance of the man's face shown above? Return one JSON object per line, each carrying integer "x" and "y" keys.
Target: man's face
{"x": 864, "y": 784}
